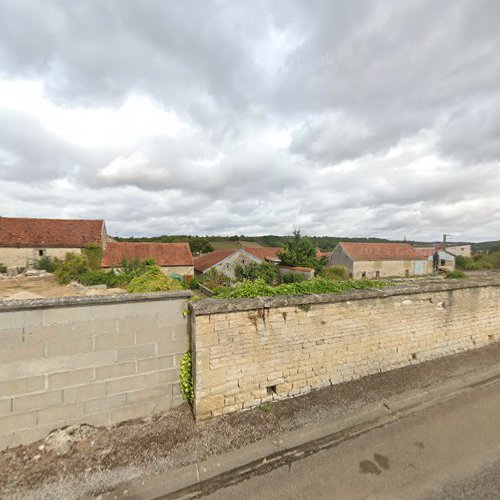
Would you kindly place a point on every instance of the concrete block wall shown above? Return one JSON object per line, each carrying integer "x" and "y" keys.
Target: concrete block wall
{"x": 96, "y": 360}
{"x": 250, "y": 351}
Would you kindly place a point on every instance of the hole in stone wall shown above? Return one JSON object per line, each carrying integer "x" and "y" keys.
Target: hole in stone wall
{"x": 271, "y": 390}
{"x": 413, "y": 355}
{"x": 491, "y": 337}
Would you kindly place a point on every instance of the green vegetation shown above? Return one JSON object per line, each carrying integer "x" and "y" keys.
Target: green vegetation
{"x": 153, "y": 280}
{"x": 293, "y": 278}
{"x": 253, "y": 271}
{"x": 186, "y": 377}
{"x": 478, "y": 262}
{"x": 48, "y": 264}
{"x": 213, "y": 279}
{"x": 300, "y": 251}
{"x": 259, "y": 288}
{"x": 455, "y": 275}
{"x": 334, "y": 273}
{"x": 94, "y": 255}
{"x": 267, "y": 407}
{"x": 3, "y": 268}
{"x": 71, "y": 268}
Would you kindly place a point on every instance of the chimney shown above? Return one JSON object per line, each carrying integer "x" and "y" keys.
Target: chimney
{"x": 444, "y": 241}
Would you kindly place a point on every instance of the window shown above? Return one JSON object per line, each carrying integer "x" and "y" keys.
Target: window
{"x": 443, "y": 262}
{"x": 377, "y": 274}
{"x": 41, "y": 253}
{"x": 363, "y": 274}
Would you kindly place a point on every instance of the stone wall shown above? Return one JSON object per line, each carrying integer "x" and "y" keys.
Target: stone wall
{"x": 250, "y": 351}
{"x": 23, "y": 257}
{"x": 96, "y": 360}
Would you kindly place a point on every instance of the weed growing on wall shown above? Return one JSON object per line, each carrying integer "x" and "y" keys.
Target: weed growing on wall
{"x": 186, "y": 379}
{"x": 259, "y": 288}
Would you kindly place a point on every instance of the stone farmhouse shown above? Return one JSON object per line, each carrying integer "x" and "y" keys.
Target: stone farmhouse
{"x": 446, "y": 259}
{"x": 456, "y": 250}
{"x": 377, "y": 260}
{"x": 173, "y": 258}
{"x": 23, "y": 240}
{"x": 225, "y": 261}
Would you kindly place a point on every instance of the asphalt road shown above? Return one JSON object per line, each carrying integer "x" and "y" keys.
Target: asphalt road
{"x": 449, "y": 451}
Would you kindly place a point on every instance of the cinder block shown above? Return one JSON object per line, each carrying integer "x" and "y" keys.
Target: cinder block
{"x": 105, "y": 404}
{"x": 114, "y": 371}
{"x": 149, "y": 394}
{"x": 12, "y": 423}
{"x": 84, "y": 392}
{"x": 9, "y": 354}
{"x": 172, "y": 347}
{"x": 136, "y": 352}
{"x": 96, "y": 327}
{"x": 20, "y": 319}
{"x": 18, "y": 386}
{"x": 180, "y": 332}
{"x": 113, "y": 341}
{"x": 165, "y": 376}
{"x": 9, "y": 336}
{"x": 42, "y": 333}
{"x": 69, "y": 378}
{"x": 153, "y": 335}
{"x": 70, "y": 346}
{"x": 150, "y": 307}
{"x": 106, "y": 311}
{"x": 61, "y": 414}
{"x": 66, "y": 314}
{"x": 155, "y": 364}
{"x": 131, "y": 383}
{"x": 5, "y": 406}
{"x": 36, "y": 401}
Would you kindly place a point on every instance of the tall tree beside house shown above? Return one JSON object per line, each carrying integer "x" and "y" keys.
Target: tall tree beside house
{"x": 300, "y": 251}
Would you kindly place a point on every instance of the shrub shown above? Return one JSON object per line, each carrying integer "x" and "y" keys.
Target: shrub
{"x": 259, "y": 288}
{"x": 153, "y": 280}
{"x": 48, "y": 264}
{"x": 213, "y": 279}
{"x": 194, "y": 283}
{"x": 252, "y": 271}
{"x": 94, "y": 255}
{"x": 186, "y": 377}
{"x": 293, "y": 278}
{"x": 3, "y": 268}
{"x": 100, "y": 277}
{"x": 300, "y": 251}
{"x": 456, "y": 275}
{"x": 334, "y": 273}
{"x": 71, "y": 268}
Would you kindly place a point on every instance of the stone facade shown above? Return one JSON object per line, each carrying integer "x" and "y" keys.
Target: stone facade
{"x": 228, "y": 265}
{"x": 26, "y": 257}
{"x": 250, "y": 351}
{"x": 96, "y": 360}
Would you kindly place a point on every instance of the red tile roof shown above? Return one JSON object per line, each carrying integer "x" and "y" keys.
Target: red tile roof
{"x": 164, "y": 254}
{"x": 50, "y": 233}
{"x": 320, "y": 254}
{"x": 204, "y": 262}
{"x": 380, "y": 251}
{"x": 264, "y": 253}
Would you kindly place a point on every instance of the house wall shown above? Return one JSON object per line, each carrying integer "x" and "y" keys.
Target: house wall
{"x": 25, "y": 257}
{"x": 464, "y": 250}
{"x": 384, "y": 267}
{"x": 290, "y": 270}
{"x": 339, "y": 258}
{"x": 95, "y": 360}
{"x": 228, "y": 266}
{"x": 249, "y": 351}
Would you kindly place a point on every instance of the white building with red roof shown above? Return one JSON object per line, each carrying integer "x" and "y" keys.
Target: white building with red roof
{"x": 378, "y": 260}
{"x": 25, "y": 240}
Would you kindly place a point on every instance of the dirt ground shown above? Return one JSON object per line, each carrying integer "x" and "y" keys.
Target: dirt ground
{"x": 84, "y": 460}
{"x": 45, "y": 286}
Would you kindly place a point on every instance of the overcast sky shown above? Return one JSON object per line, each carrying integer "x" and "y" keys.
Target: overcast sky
{"x": 353, "y": 118}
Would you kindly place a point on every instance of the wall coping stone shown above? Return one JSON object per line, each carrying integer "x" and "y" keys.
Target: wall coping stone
{"x": 17, "y": 305}
{"x": 214, "y": 306}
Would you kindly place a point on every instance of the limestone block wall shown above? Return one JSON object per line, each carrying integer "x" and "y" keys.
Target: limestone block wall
{"x": 22, "y": 257}
{"x": 250, "y": 351}
{"x": 96, "y": 360}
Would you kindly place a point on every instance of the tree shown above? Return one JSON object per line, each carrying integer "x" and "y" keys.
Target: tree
{"x": 252, "y": 271}
{"x": 300, "y": 251}
{"x": 198, "y": 244}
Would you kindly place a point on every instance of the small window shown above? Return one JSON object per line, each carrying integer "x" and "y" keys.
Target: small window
{"x": 443, "y": 262}
{"x": 363, "y": 274}
{"x": 41, "y": 253}
{"x": 377, "y": 274}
